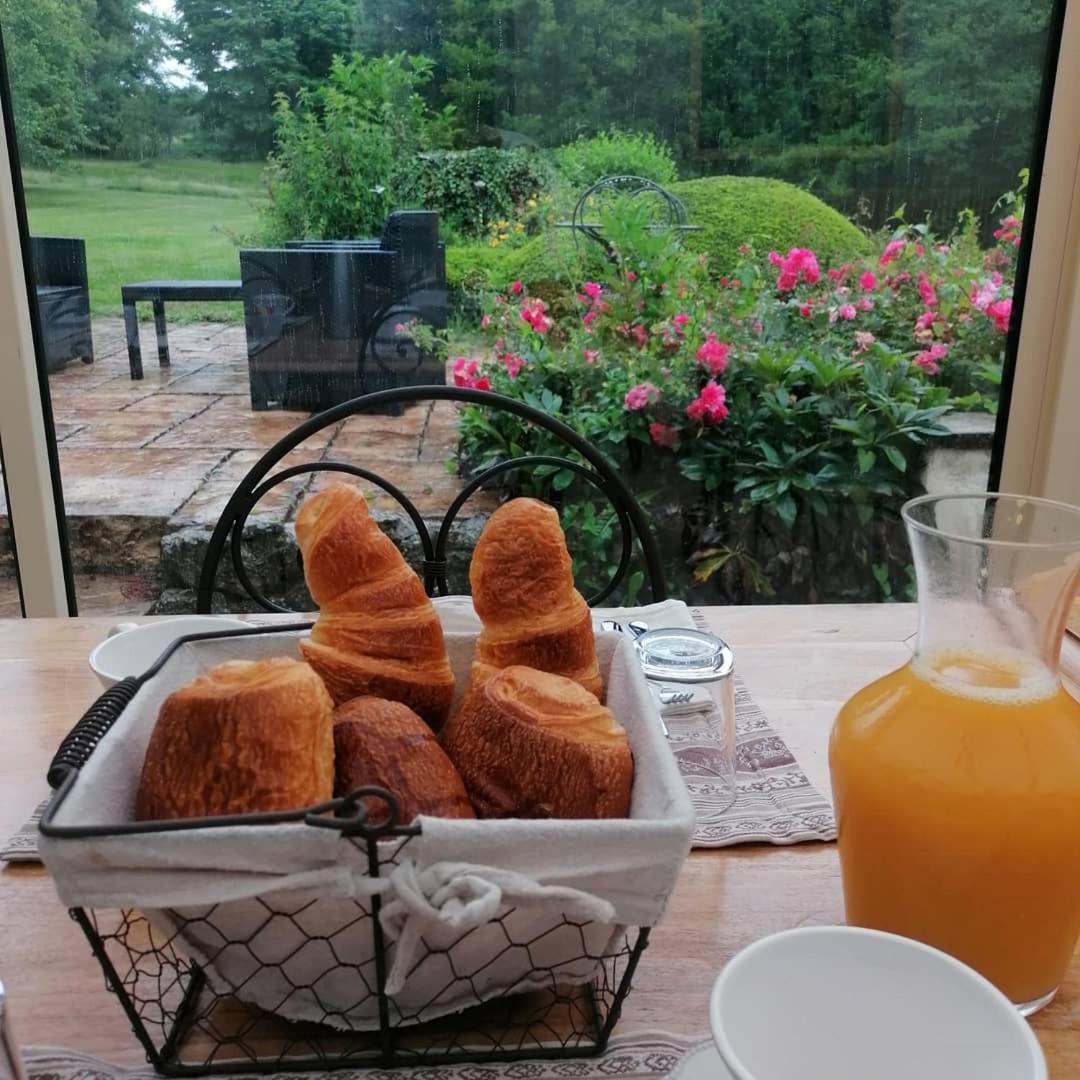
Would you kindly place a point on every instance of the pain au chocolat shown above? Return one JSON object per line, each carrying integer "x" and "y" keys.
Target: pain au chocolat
{"x": 249, "y": 736}
{"x": 377, "y": 634}
{"x": 535, "y": 745}
{"x": 385, "y": 744}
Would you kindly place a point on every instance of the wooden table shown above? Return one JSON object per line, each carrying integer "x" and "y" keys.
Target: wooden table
{"x": 800, "y": 663}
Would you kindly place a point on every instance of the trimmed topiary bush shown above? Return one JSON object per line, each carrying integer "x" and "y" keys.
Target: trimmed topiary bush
{"x": 768, "y": 215}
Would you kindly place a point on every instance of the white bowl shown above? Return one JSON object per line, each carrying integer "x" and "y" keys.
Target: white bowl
{"x": 131, "y": 648}
{"x": 843, "y": 1003}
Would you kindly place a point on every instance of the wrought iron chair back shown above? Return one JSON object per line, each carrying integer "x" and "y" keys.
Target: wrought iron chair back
{"x": 594, "y": 468}
{"x": 671, "y": 213}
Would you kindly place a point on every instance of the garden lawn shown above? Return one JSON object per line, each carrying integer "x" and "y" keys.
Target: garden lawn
{"x": 171, "y": 219}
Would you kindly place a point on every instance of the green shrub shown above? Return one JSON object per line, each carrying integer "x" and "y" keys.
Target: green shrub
{"x": 767, "y": 215}
{"x": 616, "y": 153}
{"x": 471, "y": 188}
{"x": 338, "y": 164}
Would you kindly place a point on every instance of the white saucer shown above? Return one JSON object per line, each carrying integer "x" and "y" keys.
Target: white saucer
{"x": 701, "y": 1063}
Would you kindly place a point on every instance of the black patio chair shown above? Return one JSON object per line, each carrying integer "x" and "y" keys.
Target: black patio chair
{"x": 596, "y": 470}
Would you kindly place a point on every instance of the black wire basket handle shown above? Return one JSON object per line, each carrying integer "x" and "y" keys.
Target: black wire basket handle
{"x": 81, "y": 741}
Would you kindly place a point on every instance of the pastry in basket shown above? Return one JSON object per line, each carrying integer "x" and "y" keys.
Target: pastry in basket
{"x": 377, "y": 633}
{"x": 523, "y": 590}
{"x": 531, "y": 744}
{"x": 384, "y": 743}
{"x": 249, "y": 736}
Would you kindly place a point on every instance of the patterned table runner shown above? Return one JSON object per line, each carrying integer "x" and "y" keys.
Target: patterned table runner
{"x": 649, "y": 1056}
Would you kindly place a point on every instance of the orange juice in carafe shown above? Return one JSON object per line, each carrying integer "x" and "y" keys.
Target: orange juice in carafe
{"x": 957, "y": 777}
{"x": 957, "y": 787}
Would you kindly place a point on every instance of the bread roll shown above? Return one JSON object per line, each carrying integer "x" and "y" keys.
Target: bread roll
{"x": 531, "y": 744}
{"x": 377, "y": 633}
{"x": 246, "y": 737}
{"x": 523, "y": 590}
{"x": 386, "y": 744}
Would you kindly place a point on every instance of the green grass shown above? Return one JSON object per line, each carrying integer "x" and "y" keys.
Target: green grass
{"x": 174, "y": 218}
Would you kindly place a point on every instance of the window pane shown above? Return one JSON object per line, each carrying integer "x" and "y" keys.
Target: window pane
{"x": 786, "y": 317}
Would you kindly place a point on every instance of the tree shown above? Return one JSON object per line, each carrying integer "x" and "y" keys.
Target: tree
{"x": 47, "y": 45}
{"x": 126, "y": 89}
{"x": 246, "y": 52}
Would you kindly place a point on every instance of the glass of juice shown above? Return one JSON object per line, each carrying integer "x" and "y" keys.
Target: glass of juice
{"x": 957, "y": 777}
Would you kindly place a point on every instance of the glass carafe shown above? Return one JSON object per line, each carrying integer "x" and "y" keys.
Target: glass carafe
{"x": 957, "y": 777}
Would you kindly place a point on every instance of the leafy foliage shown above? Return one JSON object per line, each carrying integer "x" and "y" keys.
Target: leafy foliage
{"x": 343, "y": 150}
{"x": 616, "y": 153}
{"x": 472, "y": 188}
{"x": 246, "y": 52}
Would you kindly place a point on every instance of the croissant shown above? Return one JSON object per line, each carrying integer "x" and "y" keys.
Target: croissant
{"x": 523, "y": 590}
{"x": 246, "y": 737}
{"x": 534, "y": 745}
{"x": 385, "y": 743}
{"x": 377, "y": 633}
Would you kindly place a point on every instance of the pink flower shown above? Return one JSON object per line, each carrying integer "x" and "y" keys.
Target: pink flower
{"x": 1001, "y": 312}
{"x": 640, "y": 335}
{"x": 592, "y": 290}
{"x": 926, "y": 290}
{"x": 868, "y": 281}
{"x": 1010, "y": 230}
{"x": 927, "y": 319}
{"x": 800, "y": 264}
{"x": 744, "y": 249}
{"x": 589, "y": 318}
{"x": 681, "y": 320}
{"x": 533, "y": 313}
{"x": 631, "y": 276}
{"x": 864, "y": 303}
{"x": 515, "y": 288}
{"x": 709, "y": 404}
{"x": 806, "y": 310}
{"x": 466, "y": 373}
{"x": 892, "y": 251}
{"x": 399, "y": 328}
{"x": 513, "y": 363}
{"x": 663, "y": 434}
{"x": 713, "y": 354}
{"x": 641, "y": 396}
{"x": 928, "y": 359}
{"x": 485, "y": 322}
{"x": 591, "y": 355}
{"x": 846, "y": 311}
{"x": 863, "y": 340}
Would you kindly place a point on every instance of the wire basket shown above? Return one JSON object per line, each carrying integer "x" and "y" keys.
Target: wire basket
{"x": 189, "y": 1023}
{"x": 214, "y": 990}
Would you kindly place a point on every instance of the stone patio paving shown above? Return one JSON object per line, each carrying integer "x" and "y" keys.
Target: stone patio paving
{"x": 140, "y": 460}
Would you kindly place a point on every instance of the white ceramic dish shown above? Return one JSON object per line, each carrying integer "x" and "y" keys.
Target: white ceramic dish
{"x": 131, "y": 648}
{"x": 843, "y": 1003}
{"x": 701, "y": 1063}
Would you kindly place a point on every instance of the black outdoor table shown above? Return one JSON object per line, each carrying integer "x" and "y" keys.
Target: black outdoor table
{"x": 157, "y": 292}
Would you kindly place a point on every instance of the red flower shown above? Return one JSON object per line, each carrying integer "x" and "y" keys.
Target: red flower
{"x": 466, "y": 373}
{"x": 806, "y": 310}
{"x": 1001, "y": 312}
{"x": 515, "y": 288}
{"x": 663, "y": 434}
{"x": 533, "y": 313}
{"x": 926, "y": 291}
{"x": 800, "y": 264}
{"x": 709, "y": 404}
{"x": 640, "y": 335}
{"x": 867, "y": 281}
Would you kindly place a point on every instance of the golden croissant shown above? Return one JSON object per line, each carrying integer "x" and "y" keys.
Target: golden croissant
{"x": 530, "y": 744}
{"x": 377, "y": 634}
{"x": 523, "y": 590}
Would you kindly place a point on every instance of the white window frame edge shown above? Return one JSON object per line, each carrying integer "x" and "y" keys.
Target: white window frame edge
{"x": 1042, "y": 441}
{"x": 32, "y": 510}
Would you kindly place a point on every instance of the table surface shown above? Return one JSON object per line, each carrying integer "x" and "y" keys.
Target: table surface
{"x": 800, "y": 664}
